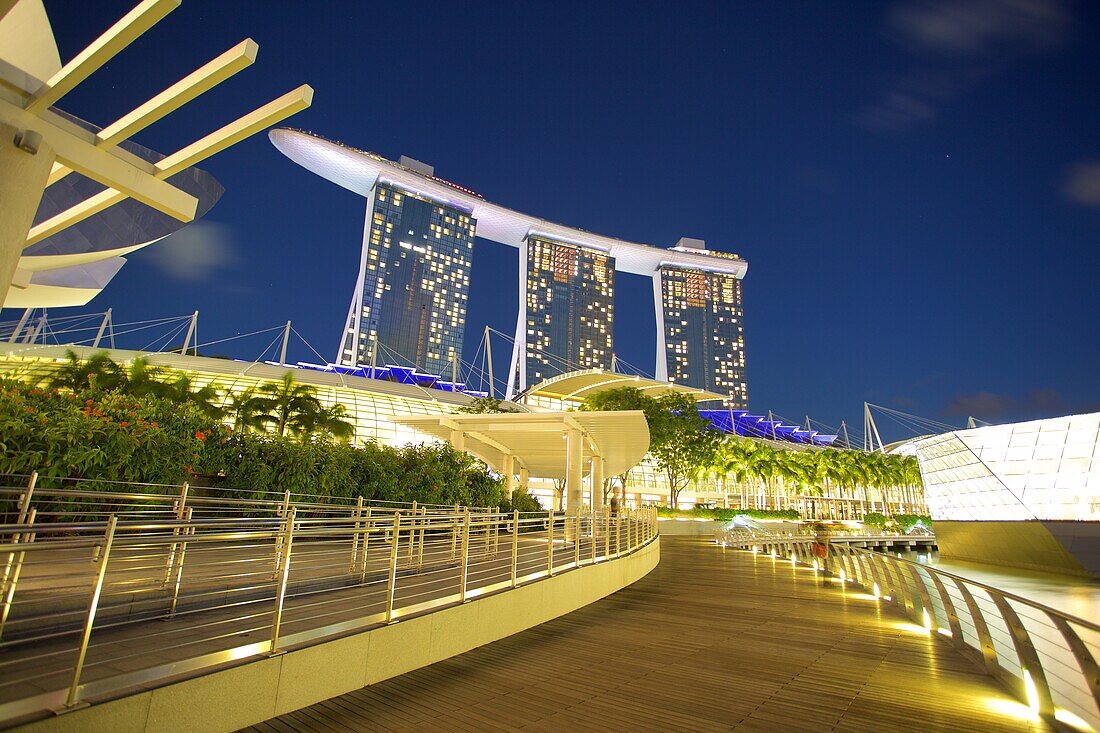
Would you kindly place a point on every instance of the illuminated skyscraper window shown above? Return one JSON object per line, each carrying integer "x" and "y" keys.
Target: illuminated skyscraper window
{"x": 414, "y": 282}
{"x": 569, "y": 308}
{"x": 703, "y": 330}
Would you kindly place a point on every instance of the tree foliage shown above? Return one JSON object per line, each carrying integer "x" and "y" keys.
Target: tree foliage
{"x": 110, "y": 436}
{"x": 680, "y": 441}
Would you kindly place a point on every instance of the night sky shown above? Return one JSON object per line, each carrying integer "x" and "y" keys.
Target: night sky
{"x": 915, "y": 185}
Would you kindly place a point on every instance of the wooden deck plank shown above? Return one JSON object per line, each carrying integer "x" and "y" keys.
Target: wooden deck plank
{"x": 711, "y": 640}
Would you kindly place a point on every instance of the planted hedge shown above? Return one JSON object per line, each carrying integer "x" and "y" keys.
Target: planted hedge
{"x": 726, "y": 515}
{"x": 108, "y": 436}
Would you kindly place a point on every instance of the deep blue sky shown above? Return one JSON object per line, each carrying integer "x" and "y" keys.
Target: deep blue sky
{"x": 915, "y": 185}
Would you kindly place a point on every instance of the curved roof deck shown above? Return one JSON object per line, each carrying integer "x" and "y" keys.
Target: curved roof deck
{"x": 579, "y": 385}
{"x": 358, "y": 171}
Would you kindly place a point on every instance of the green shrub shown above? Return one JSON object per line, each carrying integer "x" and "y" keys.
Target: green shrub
{"x": 521, "y": 502}
{"x": 875, "y": 519}
{"x": 110, "y": 436}
{"x": 727, "y": 515}
{"x": 906, "y": 522}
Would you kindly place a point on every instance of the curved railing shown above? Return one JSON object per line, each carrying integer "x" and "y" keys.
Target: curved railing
{"x": 1047, "y": 658}
{"x": 78, "y": 598}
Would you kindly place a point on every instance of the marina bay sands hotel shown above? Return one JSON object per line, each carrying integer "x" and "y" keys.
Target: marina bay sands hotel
{"x": 414, "y": 278}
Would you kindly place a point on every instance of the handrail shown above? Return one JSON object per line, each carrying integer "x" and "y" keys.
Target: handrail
{"x": 227, "y": 588}
{"x": 1046, "y": 657}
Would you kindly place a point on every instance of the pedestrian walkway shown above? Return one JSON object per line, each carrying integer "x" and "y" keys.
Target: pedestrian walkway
{"x": 710, "y": 640}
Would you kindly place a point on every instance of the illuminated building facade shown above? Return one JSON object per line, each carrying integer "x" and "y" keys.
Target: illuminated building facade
{"x": 701, "y": 332}
{"x": 414, "y": 282}
{"x": 569, "y": 302}
{"x": 1024, "y": 494}
{"x": 566, "y": 283}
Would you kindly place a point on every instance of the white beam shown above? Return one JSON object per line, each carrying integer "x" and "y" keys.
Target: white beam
{"x": 234, "y": 132}
{"x": 271, "y": 113}
{"x": 6, "y": 6}
{"x": 117, "y": 169}
{"x": 128, "y": 29}
{"x": 183, "y": 91}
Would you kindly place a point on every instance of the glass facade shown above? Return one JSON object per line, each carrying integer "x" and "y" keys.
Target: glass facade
{"x": 414, "y": 283}
{"x": 570, "y": 308}
{"x": 1043, "y": 469}
{"x": 704, "y": 333}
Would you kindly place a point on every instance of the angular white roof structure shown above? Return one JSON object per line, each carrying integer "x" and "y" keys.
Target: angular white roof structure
{"x": 535, "y": 439}
{"x": 358, "y": 171}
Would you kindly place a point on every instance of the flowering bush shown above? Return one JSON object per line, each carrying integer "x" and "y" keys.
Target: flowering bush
{"x": 112, "y": 436}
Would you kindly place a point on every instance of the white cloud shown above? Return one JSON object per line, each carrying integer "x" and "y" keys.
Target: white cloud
{"x": 979, "y": 27}
{"x": 194, "y": 252}
{"x": 1082, "y": 183}
{"x": 954, "y": 45}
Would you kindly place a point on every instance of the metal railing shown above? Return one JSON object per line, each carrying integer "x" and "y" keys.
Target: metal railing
{"x": 1047, "y": 658}
{"x": 92, "y": 607}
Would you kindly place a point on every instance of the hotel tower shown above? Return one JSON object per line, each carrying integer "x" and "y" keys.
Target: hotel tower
{"x": 410, "y": 298}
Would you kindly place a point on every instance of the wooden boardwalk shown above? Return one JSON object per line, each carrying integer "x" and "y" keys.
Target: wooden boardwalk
{"x": 711, "y": 640}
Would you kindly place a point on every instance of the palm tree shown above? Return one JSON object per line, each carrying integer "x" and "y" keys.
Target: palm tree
{"x": 323, "y": 423}
{"x": 97, "y": 372}
{"x": 207, "y": 398}
{"x": 142, "y": 380}
{"x": 246, "y": 410}
{"x": 282, "y": 401}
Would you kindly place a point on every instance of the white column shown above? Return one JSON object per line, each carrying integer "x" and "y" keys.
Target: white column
{"x": 660, "y": 371}
{"x": 574, "y": 459}
{"x": 22, "y": 182}
{"x": 509, "y": 470}
{"x": 597, "y": 482}
{"x": 519, "y": 346}
{"x": 458, "y": 440}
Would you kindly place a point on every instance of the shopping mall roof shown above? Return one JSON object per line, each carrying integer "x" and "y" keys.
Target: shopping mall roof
{"x": 582, "y": 384}
{"x": 536, "y": 440}
{"x": 359, "y": 171}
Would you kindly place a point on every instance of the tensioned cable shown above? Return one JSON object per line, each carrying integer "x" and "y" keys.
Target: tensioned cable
{"x": 241, "y": 336}
{"x": 915, "y": 418}
{"x": 167, "y": 340}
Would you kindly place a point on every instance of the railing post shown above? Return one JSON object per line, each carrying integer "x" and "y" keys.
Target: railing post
{"x": 181, "y": 511}
{"x": 280, "y": 539}
{"x": 358, "y": 515}
{"x": 1030, "y": 664}
{"x": 454, "y": 533}
{"x": 498, "y": 518}
{"x": 187, "y": 531}
{"x": 488, "y": 536}
{"x": 464, "y": 567}
{"x": 550, "y": 544}
{"x": 515, "y": 546}
{"x": 366, "y": 547}
{"x": 1085, "y": 660}
{"x": 24, "y": 508}
{"x": 607, "y": 534}
{"x": 391, "y": 581}
{"x": 413, "y": 518}
{"x": 981, "y": 629}
{"x": 93, "y": 604}
{"x": 10, "y": 585}
{"x": 576, "y": 540}
{"x": 284, "y": 576}
{"x": 619, "y": 534}
{"x": 420, "y": 539}
{"x": 592, "y": 523}
{"x": 949, "y": 609}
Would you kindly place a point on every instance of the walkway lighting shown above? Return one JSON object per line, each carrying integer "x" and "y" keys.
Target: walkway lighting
{"x": 1032, "y": 692}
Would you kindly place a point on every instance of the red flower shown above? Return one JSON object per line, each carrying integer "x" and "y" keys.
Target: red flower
{"x": 200, "y": 435}
{"x": 123, "y": 424}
